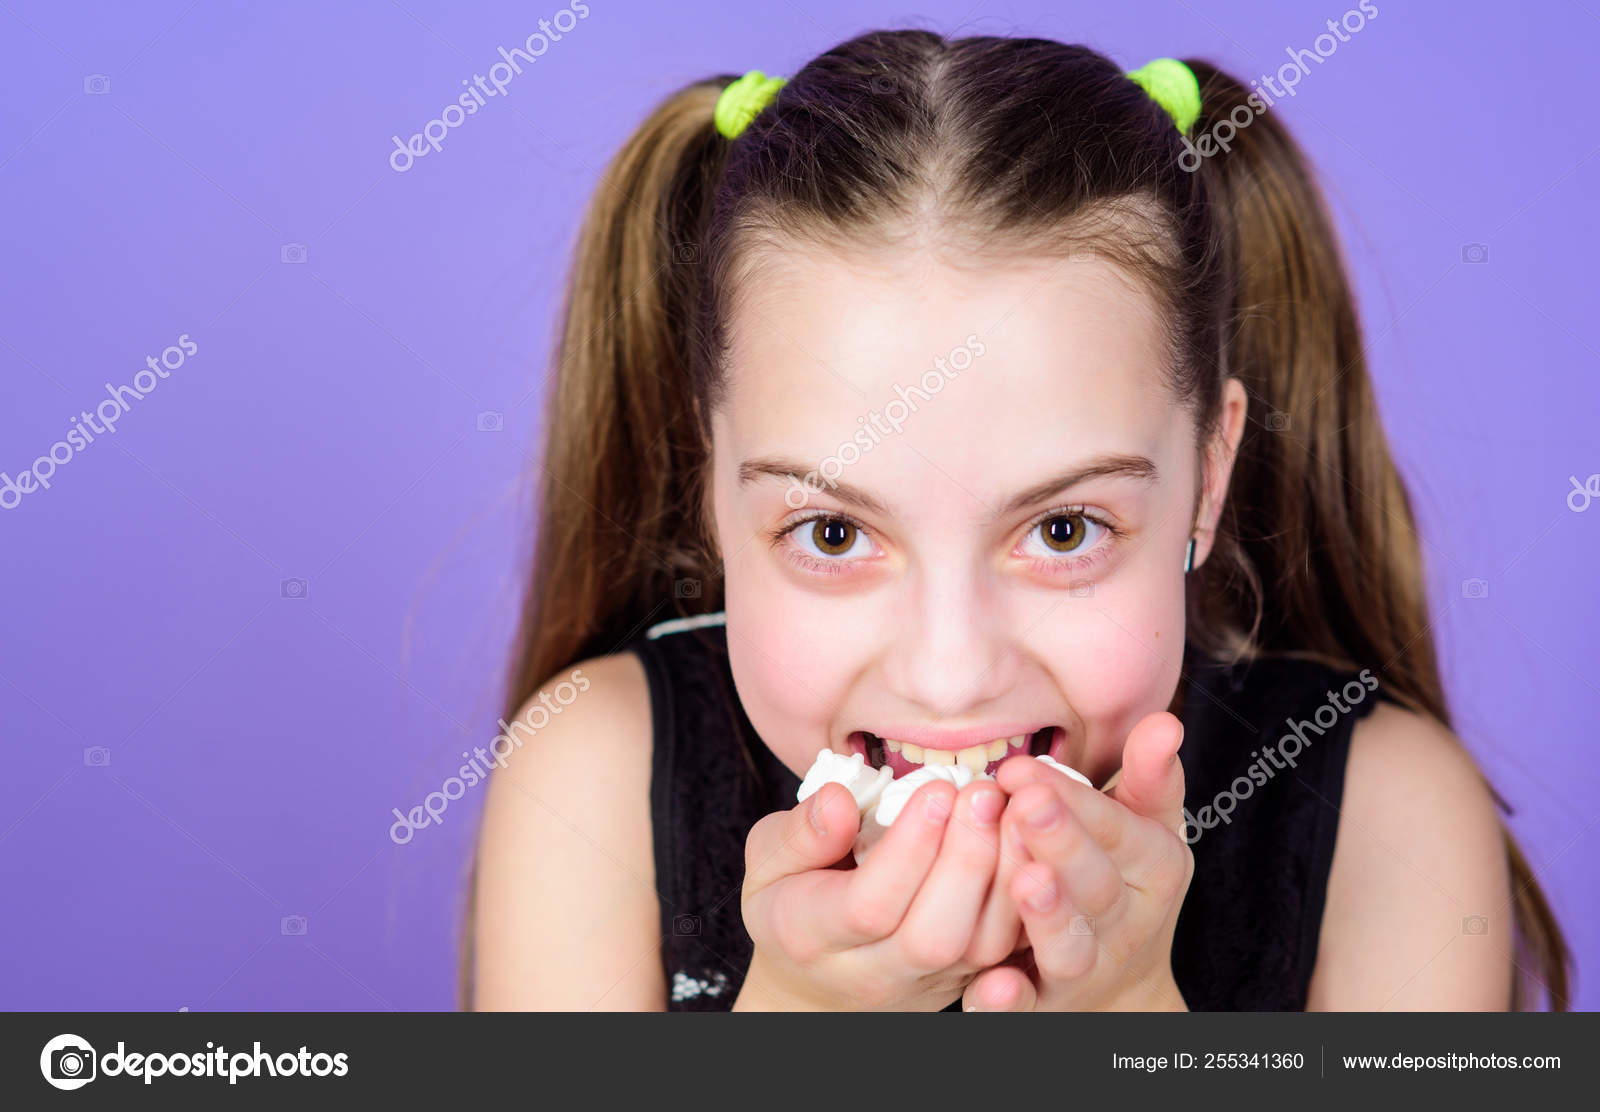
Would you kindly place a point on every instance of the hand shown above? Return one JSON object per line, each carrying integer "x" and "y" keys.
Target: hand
{"x": 906, "y": 930}
{"x": 1100, "y": 886}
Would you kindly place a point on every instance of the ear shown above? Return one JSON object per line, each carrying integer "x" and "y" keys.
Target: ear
{"x": 1219, "y": 457}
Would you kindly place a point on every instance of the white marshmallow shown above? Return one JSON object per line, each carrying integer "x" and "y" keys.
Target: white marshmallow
{"x": 865, "y": 784}
{"x": 1059, "y": 767}
{"x": 880, "y": 797}
{"x": 899, "y": 792}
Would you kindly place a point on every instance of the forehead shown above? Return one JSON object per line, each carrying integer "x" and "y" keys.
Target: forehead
{"x": 1044, "y": 361}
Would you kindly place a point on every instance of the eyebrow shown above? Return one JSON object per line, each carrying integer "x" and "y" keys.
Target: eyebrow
{"x": 1140, "y": 468}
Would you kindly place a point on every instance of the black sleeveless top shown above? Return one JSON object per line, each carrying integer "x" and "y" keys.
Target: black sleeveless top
{"x": 1246, "y": 937}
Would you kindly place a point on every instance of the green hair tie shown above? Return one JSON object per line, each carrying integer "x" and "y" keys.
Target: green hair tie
{"x": 1169, "y": 82}
{"x": 1172, "y": 85}
{"x": 743, "y": 100}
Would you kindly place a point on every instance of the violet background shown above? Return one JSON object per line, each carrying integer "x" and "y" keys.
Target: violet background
{"x": 327, "y": 430}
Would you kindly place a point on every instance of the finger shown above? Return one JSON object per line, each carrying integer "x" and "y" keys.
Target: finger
{"x": 1152, "y": 776}
{"x": 1014, "y": 772}
{"x": 1131, "y": 840}
{"x": 1004, "y": 988}
{"x": 801, "y": 915}
{"x": 1153, "y": 786}
{"x": 1064, "y": 943}
{"x": 1077, "y": 864}
{"x": 1000, "y": 925}
{"x": 881, "y": 889}
{"x": 810, "y": 835}
{"x": 939, "y": 926}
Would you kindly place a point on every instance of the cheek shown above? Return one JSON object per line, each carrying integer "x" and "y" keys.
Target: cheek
{"x": 1116, "y": 659}
{"x": 792, "y": 664}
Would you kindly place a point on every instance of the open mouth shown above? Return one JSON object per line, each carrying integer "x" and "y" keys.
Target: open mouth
{"x": 904, "y": 757}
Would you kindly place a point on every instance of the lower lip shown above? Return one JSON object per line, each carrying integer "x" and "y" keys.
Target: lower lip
{"x": 899, "y": 766}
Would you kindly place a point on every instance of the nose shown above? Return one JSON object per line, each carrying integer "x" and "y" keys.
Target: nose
{"x": 952, "y": 653}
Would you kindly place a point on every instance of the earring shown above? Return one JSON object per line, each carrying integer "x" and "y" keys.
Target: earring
{"x": 1188, "y": 557}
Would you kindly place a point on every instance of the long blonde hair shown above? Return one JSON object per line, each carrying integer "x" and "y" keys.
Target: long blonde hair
{"x": 1027, "y": 142}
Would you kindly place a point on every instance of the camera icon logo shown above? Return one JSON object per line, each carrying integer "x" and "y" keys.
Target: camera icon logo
{"x": 685, "y": 926}
{"x": 292, "y": 253}
{"x": 1081, "y": 589}
{"x": 1474, "y": 252}
{"x": 686, "y": 588}
{"x": 1474, "y": 924}
{"x": 292, "y": 925}
{"x": 96, "y": 84}
{"x": 491, "y": 422}
{"x": 1277, "y": 422}
{"x": 293, "y": 588}
{"x": 686, "y": 252}
{"x": 68, "y": 1062}
{"x": 1081, "y": 924}
{"x": 97, "y": 756}
{"x": 1474, "y": 588}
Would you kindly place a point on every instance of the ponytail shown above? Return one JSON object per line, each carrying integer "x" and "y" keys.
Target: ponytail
{"x": 619, "y": 540}
{"x": 1317, "y": 555}
{"x": 624, "y": 453}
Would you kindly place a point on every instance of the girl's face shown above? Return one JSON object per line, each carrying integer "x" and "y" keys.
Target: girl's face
{"x": 952, "y": 504}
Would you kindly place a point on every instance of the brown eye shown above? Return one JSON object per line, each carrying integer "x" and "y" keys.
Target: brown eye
{"x": 1063, "y": 533}
{"x": 833, "y": 536}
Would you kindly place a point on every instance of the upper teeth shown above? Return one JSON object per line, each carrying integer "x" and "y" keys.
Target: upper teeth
{"x": 976, "y": 757}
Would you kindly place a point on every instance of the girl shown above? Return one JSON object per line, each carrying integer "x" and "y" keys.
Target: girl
{"x": 954, "y": 401}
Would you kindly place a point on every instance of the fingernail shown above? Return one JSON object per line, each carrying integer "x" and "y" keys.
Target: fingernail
{"x": 986, "y": 807}
{"x": 1044, "y": 816}
{"x": 815, "y": 814}
{"x": 1042, "y": 899}
{"x": 937, "y": 809}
